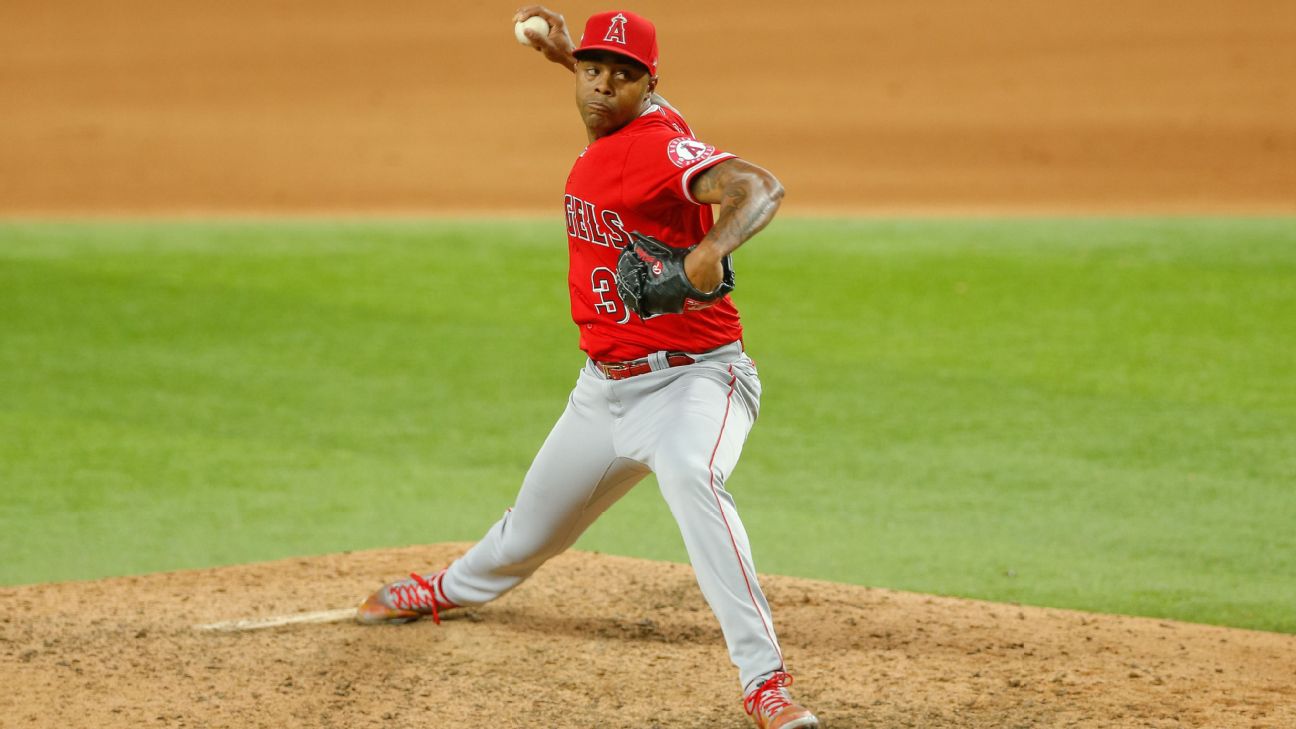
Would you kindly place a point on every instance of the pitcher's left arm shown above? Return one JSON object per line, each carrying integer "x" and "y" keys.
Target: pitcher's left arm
{"x": 748, "y": 197}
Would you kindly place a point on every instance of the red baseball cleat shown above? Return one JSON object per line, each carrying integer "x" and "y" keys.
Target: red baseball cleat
{"x": 404, "y": 601}
{"x": 772, "y": 707}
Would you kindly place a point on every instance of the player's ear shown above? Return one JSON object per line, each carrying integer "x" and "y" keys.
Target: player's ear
{"x": 652, "y": 84}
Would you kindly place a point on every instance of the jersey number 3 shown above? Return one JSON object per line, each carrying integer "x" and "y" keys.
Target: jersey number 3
{"x": 603, "y": 281}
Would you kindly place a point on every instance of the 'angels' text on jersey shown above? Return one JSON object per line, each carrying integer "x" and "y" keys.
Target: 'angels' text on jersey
{"x": 592, "y": 225}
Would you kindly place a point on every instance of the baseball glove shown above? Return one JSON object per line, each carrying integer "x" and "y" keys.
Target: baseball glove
{"x": 651, "y": 279}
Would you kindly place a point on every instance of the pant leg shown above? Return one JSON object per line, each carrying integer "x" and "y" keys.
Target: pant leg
{"x": 573, "y": 479}
{"x": 710, "y": 410}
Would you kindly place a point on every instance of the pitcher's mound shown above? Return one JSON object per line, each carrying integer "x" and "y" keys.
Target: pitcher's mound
{"x": 599, "y": 641}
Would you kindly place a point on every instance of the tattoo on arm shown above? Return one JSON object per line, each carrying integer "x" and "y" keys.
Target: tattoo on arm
{"x": 706, "y": 185}
{"x": 748, "y": 198}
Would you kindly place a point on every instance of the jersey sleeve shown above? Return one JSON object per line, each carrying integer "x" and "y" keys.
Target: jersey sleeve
{"x": 662, "y": 164}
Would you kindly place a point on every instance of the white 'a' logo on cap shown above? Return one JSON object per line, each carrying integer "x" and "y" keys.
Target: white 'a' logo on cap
{"x": 616, "y": 31}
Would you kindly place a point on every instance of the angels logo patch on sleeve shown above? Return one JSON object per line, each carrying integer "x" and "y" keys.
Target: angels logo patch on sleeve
{"x": 686, "y": 152}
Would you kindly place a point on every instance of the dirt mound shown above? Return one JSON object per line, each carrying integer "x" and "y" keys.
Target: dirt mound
{"x": 599, "y": 641}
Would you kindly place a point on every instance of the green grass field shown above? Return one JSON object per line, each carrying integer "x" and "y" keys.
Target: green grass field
{"x": 1097, "y": 414}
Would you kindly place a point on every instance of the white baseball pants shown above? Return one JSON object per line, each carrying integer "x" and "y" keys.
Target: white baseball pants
{"x": 686, "y": 424}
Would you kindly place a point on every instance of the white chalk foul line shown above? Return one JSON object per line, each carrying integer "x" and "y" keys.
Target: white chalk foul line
{"x": 275, "y": 621}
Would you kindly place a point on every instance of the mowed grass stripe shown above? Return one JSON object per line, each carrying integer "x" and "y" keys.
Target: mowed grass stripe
{"x": 1083, "y": 413}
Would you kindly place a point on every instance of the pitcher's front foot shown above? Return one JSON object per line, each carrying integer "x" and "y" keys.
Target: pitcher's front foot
{"x": 772, "y": 707}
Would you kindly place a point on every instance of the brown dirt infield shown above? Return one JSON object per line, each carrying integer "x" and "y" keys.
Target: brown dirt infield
{"x": 600, "y": 641}
{"x": 303, "y": 106}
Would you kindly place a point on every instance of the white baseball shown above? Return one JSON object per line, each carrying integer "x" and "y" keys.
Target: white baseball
{"x": 536, "y": 23}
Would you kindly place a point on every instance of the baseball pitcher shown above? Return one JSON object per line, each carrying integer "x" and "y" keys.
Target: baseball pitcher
{"x": 667, "y": 387}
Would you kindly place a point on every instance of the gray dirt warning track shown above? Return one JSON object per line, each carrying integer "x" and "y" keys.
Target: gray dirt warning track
{"x": 599, "y": 641}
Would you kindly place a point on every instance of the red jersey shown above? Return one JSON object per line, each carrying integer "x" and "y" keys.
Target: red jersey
{"x": 637, "y": 179}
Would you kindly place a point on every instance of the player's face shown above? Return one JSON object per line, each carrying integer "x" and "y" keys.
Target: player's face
{"x": 610, "y": 91}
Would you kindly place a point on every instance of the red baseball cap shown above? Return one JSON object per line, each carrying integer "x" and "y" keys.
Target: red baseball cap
{"x": 624, "y": 33}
